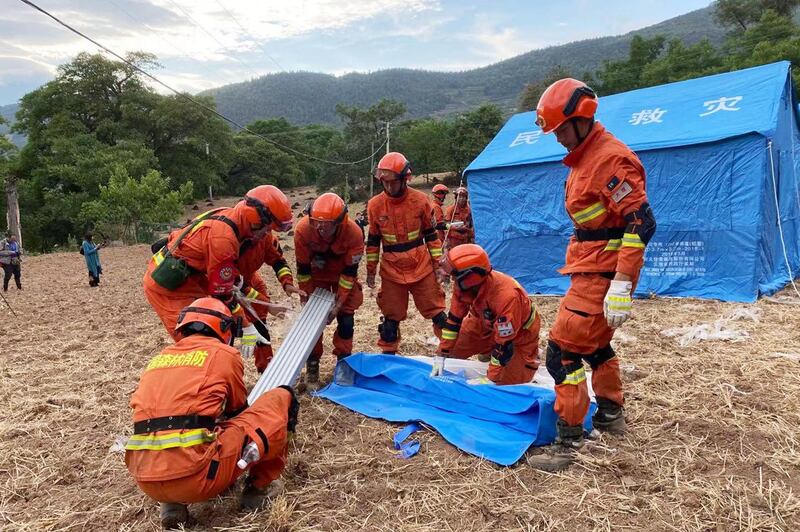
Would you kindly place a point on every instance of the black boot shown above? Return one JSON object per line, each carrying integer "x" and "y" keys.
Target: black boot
{"x": 174, "y": 515}
{"x": 610, "y": 417}
{"x": 560, "y": 455}
{"x": 312, "y": 375}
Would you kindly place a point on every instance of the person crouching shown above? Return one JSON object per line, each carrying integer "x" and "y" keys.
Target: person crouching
{"x": 192, "y": 422}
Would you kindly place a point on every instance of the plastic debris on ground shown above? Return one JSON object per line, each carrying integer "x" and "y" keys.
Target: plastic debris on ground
{"x": 720, "y": 329}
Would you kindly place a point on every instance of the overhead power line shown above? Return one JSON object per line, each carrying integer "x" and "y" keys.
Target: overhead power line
{"x": 192, "y": 100}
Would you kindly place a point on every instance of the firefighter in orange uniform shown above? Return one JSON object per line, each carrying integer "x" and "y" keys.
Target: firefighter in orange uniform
{"x": 440, "y": 193}
{"x": 191, "y": 420}
{"x": 490, "y": 313}
{"x": 400, "y": 221}
{"x": 458, "y": 218}
{"x": 607, "y": 202}
{"x": 328, "y": 247}
{"x": 202, "y": 257}
{"x": 252, "y": 255}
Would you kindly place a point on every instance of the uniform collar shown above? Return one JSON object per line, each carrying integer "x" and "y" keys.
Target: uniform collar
{"x": 575, "y": 156}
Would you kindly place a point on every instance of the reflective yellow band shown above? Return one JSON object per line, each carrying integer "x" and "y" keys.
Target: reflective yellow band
{"x": 284, "y": 271}
{"x": 613, "y": 244}
{"x": 372, "y": 257}
{"x": 494, "y": 362}
{"x": 390, "y": 238}
{"x": 576, "y": 377}
{"x": 589, "y": 213}
{"x": 303, "y": 278}
{"x": 436, "y": 252}
{"x": 619, "y": 303}
{"x": 344, "y": 283}
{"x": 532, "y": 318}
{"x": 413, "y": 235}
{"x": 159, "y": 257}
{"x": 449, "y": 335}
{"x": 632, "y": 240}
{"x": 154, "y": 442}
{"x": 252, "y": 294}
{"x": 236, "y": 309}
{"x": 197, "y": 226}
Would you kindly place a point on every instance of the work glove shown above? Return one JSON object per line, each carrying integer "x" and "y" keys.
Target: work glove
{"x": 617, "y": 303}
{"x": 438, "y": 365}
{"x": 290, "y": 289}
{"x": 250, "y": 337}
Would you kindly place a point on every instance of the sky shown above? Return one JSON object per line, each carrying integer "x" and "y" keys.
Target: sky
{"x": 207, "y": 43}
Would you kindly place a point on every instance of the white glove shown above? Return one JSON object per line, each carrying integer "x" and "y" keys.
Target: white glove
{"x": 250, "y": 337}
{"x": 438, "y": 366}
{"x": 617, "y": 304}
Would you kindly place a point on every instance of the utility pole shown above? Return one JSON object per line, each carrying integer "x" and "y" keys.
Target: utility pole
{"x": 12, "y": 203}
{"x": 210, "y": 193}
{"x": 387, "y": 137}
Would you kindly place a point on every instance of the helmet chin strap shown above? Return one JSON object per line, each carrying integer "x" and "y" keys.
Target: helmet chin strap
{"x": 578, "y": 136}
{"x": 401, "y": 191}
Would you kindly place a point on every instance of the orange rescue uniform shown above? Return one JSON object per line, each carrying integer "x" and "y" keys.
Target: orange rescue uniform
{"x": 607, "y": 202}
{"x": 195, "y": 381}
{"x": 252, "y": 255}
{"x": 210, "y": 250}
{"x": 499, "y": 320}
{"x": 333, "y": 266}
{"x": 403, "y": 227}
{"x": 459, "y": 235}
{"x": 439, "y": 222}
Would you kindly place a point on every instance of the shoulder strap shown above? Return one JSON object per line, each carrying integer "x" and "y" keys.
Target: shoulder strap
{"x": 196, "y": 221}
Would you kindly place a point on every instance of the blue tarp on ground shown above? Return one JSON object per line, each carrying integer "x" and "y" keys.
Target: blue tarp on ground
{"x": 710, "y": 147}
{"x": 497, "y": 423}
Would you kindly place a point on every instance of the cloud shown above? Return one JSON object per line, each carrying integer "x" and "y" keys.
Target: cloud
{"x": 496, "y": 43}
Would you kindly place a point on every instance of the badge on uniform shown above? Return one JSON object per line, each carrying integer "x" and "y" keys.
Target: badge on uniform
{"x": 504, "y": 327}
{"x": 357, "y": 258}
{"x": 613, "y": 183}
{"x": 624, "y": 189}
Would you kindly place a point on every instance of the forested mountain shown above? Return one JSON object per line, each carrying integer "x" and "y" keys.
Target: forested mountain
{"x": 8, "y": 112}
{"x": 305, "y": 97}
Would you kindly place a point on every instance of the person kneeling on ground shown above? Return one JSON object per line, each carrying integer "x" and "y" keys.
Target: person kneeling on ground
{"x": 181, "y": 450}
{"x": 490, "y": 314}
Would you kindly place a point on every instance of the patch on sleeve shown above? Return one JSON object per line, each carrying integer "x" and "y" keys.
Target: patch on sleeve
{"x": 504, "y": 327}
{"x": 357, "y": 258}
{"x": 624, "y": 189}
{"x": 613, "y": 183}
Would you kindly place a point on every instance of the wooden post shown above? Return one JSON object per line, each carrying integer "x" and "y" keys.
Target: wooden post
{"x": 12, "y": 213}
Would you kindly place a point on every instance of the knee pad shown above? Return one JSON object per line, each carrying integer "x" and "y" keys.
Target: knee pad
{"x": 440, "y": 319}
{"x": 344, "y": 326}
{"x": 555, "y": 362}
{"x": 601, "y": 356}
{"x": 389, "y": 330}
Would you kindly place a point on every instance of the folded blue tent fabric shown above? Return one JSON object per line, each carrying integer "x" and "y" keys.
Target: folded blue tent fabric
{"x": 497, "y": 423}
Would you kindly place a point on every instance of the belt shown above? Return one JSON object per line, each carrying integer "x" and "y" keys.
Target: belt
{"x": 404, "y": 246}
{"x": 593, "y": 235}
{"x": 191, "y": 421}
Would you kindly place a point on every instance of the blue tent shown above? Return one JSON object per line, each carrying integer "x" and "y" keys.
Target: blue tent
{"x": 721, "y": 152}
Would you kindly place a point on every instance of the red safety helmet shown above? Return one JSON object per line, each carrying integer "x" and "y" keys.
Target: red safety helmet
{"x": 440, "y": 189}
{"x": 469, "y": 264}
{"x": 394, "y": 162}
{"x": 329, "y": 207}
{"x": 565, "y": 99}
{"x": 268, "y": 206}
{"x": 210, "y": 312}
{"x": 462, "y": 192}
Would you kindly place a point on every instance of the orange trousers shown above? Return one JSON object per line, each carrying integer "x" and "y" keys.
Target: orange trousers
{"x": 474, "y": 338}
{"x": 269, "y": 414}
{"x": 581, "y": 333}
{"x": 393, "y": 302}
{"x": 168, "y": 303}
{"x": 343, "y": 337}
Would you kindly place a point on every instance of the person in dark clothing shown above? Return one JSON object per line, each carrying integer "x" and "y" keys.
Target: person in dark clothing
{"x": 10, "y": 258}
{"x": 90, "y": 252}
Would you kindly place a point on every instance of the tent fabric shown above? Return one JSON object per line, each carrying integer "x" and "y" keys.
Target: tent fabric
{"x": 710, "y": 183}
{"x": 496, "y": 423}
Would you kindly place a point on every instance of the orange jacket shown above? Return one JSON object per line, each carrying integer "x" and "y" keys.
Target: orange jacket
{"x": 501, "y": 304}
{"x": 334, "y": 262}
{"x": 212, "y": 248}
{"x": 403, "y": 226}
{"x": 439, "y": 223}
{"x": 197, "y": 375}
{"x": 252, "y": 255}
{"x": 606, "y": 184}
{"x": 459, "y": 235}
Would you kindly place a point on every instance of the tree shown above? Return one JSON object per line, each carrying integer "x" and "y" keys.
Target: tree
{"x": 472, "y": 132}
{"x": 533, "y": 91}
{"x": 625, "y": 75}
{"x": 127, "y": 205}
{"x": 741, "y": 14}
{"x": 427, "y": 144}
{"x": 681, "y": 62}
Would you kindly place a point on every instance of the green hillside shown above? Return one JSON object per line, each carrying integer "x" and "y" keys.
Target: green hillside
{"x": 306, "y": 98}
